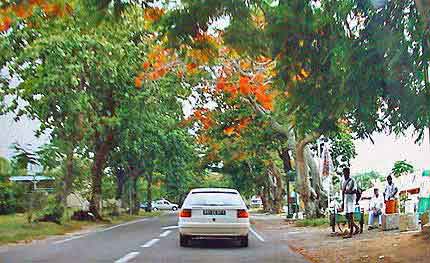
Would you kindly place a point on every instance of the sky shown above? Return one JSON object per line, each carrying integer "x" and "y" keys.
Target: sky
{"x": 388, "y": 149}
{"x": 379, "y": 156}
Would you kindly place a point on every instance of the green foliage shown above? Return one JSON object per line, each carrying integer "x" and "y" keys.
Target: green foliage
{"x": 313, "y": 222}
{"x": 401, "y": 168}
{"x": 34, "y": 202}
{"x": 11, "y": 195}
{"x": 4, "y": 167}
{"x": 217, "y": 180}
{"x": 365, "y": 180}
{"x": 342, "y": 150}
{"x": 8, "y": 202}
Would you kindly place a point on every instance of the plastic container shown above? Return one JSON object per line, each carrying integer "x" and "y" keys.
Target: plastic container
{"x": 390, "y": 206}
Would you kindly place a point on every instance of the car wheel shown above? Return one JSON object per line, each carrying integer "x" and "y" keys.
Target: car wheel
{"x": 244, "y": 241}
{"x": 174, "y": 208}
{"x": 183, "y": 240}
{"x": 154, "y": 209}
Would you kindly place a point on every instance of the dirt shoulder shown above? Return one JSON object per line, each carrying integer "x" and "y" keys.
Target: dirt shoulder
{"x": 318, "y": 245}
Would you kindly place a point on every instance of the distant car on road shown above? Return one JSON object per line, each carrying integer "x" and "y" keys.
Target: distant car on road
{"x": 213, "y": 213}
{"x": 160, "y": 205}
{"x": 164, "y": 205}
{"x": 256, "y": 202}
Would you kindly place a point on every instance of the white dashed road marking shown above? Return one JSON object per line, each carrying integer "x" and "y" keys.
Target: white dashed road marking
{"x": 169, "y": 227}
{"x": 165, "y": 233}
{"x": 150, "y": 243}
{"x": 128, "y": 257}
{"x": 68, "y": 239}
{"x": 256, "y": 234}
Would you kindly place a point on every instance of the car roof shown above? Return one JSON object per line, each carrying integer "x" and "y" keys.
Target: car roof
{"x": 212, "y": 190}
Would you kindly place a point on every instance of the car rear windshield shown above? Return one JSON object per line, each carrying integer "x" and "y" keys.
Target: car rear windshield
{"x": 214, "y": 199}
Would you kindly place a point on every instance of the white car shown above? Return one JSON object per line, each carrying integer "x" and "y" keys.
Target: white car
{"x": 164, "y": 205}
{"x": 256, "y": 202}
{"x": 213, "y": 213}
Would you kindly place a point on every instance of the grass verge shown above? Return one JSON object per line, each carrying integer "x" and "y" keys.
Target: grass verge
{"x": 14, "y": 228}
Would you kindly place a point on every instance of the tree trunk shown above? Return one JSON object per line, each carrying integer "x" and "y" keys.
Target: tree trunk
{"x": 278, "y": 191}
{"x": 136, "y": 202}
{"x": 284, "y": 154}
{"x": 265, "y": 200}
{"x": 120, "y": 181}
{"x": 316, "y": 185}
{"x": 101, "y": 152}
{"x": 303, "y": 183}
{"x": 64, "y": 188}
{"x": 149, "y": 190}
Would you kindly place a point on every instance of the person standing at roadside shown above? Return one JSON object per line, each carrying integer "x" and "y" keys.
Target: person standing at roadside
{"x": 390, "y": 193}
{"x": 348, "y": 199}
{"x": 391, "y": 190}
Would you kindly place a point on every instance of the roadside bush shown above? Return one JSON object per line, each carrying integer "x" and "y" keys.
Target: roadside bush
{"x": 12, "y": 198}
{"x": 34, "y": 203}
{"x": 50, "y": 210}
{"x": 313, "y": 222}
{"x": 8, "y": 202}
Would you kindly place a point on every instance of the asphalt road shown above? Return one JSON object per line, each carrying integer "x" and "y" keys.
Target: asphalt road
{"x": 152, "y": 240}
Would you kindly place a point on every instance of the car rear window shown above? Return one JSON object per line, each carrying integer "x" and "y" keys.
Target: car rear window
{"x": 214, "y": 199}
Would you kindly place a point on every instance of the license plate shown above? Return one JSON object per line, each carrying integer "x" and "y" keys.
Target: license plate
{"x": 214, "y": 212}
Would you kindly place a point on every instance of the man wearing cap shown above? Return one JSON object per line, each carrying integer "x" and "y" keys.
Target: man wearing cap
{"x": 375, "y": 209}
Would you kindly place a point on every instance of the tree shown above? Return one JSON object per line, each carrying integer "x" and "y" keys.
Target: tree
{"x": 322, "y": 66}
{"x": 401, "y": 168}
{"x": 4, "y": 167}
{"x": 150, "y": 141}
{"x": 90, "y": 71}
{"x": 365, "y": 180}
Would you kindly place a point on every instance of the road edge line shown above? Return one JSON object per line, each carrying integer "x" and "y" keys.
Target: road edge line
{"x": 68, "y": 239}
{"x": 256, "y": 234}
{"x": 123, "y": 224}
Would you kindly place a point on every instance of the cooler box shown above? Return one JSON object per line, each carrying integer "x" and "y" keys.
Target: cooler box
{"x": 390, "y": 221}
{"x": 408, "y": 222}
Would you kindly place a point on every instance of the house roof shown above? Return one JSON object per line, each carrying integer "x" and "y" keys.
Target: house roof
{"x": 28, "y": 178}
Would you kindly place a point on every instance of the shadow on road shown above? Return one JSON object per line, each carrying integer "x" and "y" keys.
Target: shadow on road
{"x": 214, "y": 243}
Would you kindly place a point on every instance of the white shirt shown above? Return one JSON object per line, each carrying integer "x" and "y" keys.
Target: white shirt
{"x": 376, "y": 202}
{"x": 389, "y": 191}
{"x": 349, "y": 199}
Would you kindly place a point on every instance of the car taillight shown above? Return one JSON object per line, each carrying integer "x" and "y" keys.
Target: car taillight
{"x": 242, "y": 213}
{"x": 185, "y": 213}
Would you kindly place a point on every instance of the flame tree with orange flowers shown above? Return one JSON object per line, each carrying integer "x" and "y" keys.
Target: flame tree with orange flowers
{"x": 322, "y": 78}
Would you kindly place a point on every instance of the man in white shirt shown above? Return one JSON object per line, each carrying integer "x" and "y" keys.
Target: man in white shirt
{"x": 375, "y": 208}
{"x": 348, "y": 198}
